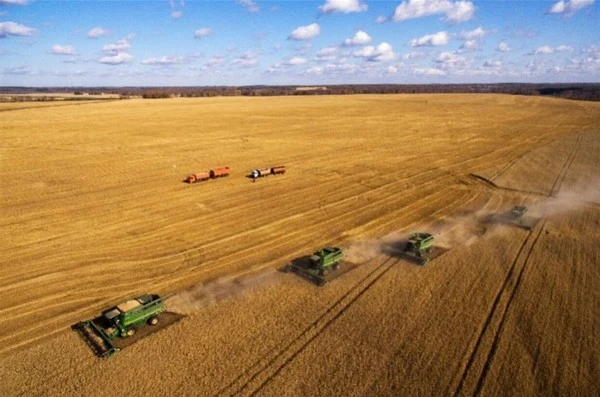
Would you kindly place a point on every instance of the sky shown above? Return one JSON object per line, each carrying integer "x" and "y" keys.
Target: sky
{"x": 253, "y": 42}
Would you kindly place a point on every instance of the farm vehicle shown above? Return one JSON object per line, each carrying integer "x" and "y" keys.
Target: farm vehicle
{"x": 517, "y": 214}
{"x": 121, "y": 321}
{"x": 212, "y": 174}
{"x": 417, "y": 248}
{"x": 317, "y": 266}
{"x": 263, "y": 172}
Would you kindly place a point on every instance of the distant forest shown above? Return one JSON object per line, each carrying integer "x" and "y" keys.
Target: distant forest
{"x": 578, "y": 91}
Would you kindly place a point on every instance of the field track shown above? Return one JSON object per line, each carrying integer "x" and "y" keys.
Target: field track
{"x": 95, "y": 210}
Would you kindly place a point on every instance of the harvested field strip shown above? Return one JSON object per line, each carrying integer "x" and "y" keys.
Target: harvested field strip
{"x": 498, "y": 310}
{"x": 493, "y": 312}
{"x": 507, "y": 166}
{"x": 565, "y": 168}
{"x": 537, "y": 171}
{"x": 500, "y": 329}
{"x": 268, "y": 367}
{"x": 259, "y": 216}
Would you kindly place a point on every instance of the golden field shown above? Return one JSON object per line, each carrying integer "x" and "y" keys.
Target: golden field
{"x": 94, "y": 211}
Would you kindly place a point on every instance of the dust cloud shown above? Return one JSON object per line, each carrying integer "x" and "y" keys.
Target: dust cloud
{"x": 201, "y": 295}
{"x": 363, "y": 251}
{"x": 464, "y": 229}
{"x": 567, "y": 200}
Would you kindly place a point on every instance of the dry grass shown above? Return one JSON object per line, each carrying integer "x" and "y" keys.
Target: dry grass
{"x": 94, "y": 211}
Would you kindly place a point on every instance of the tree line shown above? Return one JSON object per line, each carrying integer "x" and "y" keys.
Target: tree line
{"x": 578, "y": 91}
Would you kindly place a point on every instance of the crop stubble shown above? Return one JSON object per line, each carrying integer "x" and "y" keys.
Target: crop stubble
{"x": 84, "y": 232}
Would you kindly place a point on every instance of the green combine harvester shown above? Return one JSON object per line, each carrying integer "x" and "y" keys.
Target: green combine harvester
{"x": 416, "y": 247}
{"x": 316, "y": 267}
{"x": 517, "y": 213}
{"x": 121, "y": 321}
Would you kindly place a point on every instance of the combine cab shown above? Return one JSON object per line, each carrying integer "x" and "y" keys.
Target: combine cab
{"x": 121, "y": 321}
{"x": 318, "y": 266}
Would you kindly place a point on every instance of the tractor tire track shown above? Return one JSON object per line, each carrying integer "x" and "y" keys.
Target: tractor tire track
{"x": 496, "y": 337}
{"x": 492, "y": 313}
{"x": 508, "y": 166}
{"x": 496, "y": 340}
{"x": 563, "y": 171}
{"x": 273, "y": 365}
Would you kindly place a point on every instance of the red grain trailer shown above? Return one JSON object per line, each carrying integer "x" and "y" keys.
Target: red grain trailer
{"x": 280, "y": 169}
{"x": 219, "y": 172}
{"x": 193, "y": 178}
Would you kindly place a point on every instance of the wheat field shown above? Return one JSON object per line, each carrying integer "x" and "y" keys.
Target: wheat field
{"x": 94, "y": 210}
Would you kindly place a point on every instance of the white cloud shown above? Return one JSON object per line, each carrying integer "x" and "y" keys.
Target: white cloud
{"x": 429, "y": 71}
{"x": 295, "y": 61}
{"x": 117, "y": 47}
{"x": 164, "y": 60}
{"x": 202, "y": 32}
{"x": 177, "y": 9}
{"x": 490, "y": 63}
{"x": 454, "y": 11}
{"x": 215, "y": 61}
{"x": 546, "y": 49}
{"x": 15, "y": 29}
{"x": 359, "y": 38}
{"x": 503, "y": 47}
{"x": 381, "y": 19}
{"x": 449, "y": 58}
{"x": 383, "y": 52}
{"x": 247, "y": 59}
{"x": 14, "y": 2}
{"x": 543, "y": 50}
{"x": 436, "y": 39}
{"x": 63, "y": 49}
{"x": 315, "y": 70}
{"x": 569, "y": 7}
{"x": 391, "y": 70}
{"x": 469, "y": 45}
{"x": 461, "y": 11}
{"x": 305, "y": 32}
{"x": 250, "y": 5}
{"x": 117, "y": 59}
{"x": 345, "y": 6}
{"x": 473, "y": 34}
{"x": 563, "y": 48}
{"x": 97, "y": 32}
{"x": 17, "y": 70}
{"x": 115, "y": 52}
{"x": 558, "y": 7}
{"x": 414, "y": 55}
{"x": 327, "y": 54}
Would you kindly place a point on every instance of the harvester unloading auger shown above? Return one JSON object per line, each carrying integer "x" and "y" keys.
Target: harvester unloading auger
{"x": 318, "y": 266}
{"x": 121, "y": 321}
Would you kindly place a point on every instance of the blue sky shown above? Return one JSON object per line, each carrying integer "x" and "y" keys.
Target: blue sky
{"x": 247, "y": 42}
